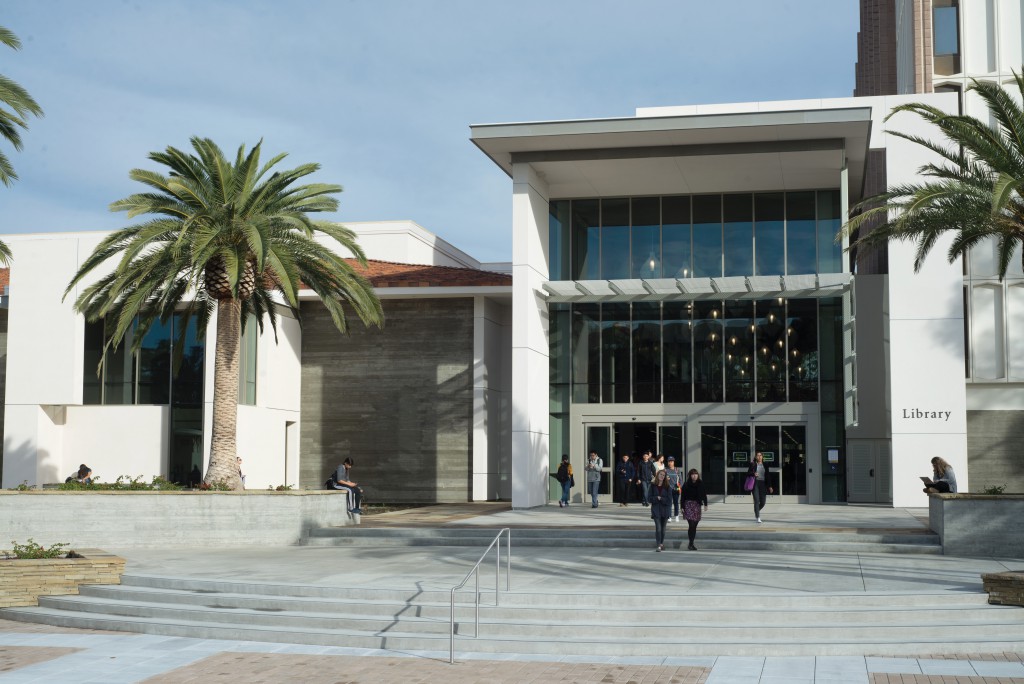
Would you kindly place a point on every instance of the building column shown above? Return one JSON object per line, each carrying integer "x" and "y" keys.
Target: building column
{"x": 530, "y": 466}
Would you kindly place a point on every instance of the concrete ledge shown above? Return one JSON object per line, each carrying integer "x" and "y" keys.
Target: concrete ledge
{"x": 144, "y": 519}
{"x": 1004, "y": 588}
{"x": 22, "y": 582}
{"x": 978, "y": 524}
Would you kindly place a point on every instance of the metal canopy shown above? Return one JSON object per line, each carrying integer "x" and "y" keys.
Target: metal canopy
{"x": 689, "y": 289}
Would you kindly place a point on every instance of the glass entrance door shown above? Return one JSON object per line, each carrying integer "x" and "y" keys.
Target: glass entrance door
{"x": 727, "y": 450}
{"x": 599, "y": 439}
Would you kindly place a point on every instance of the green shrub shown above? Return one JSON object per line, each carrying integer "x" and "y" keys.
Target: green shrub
{"x": 31, "y": 549}
{"x": 122, "y": 483}
{"x": 994, "y": 489}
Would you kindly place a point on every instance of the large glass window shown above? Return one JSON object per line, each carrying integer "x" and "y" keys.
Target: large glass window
{"x": 801, "y": 256}
{"x": 615, "y": 353}
{"x": 586, "y": 353}
{"x": 586, "y": 244}
{"x": 675, "y": 237}
{"x": 707, "y": 236}
{"x": 155, "y": 364}
{"x": 646, "y": 352}
{"x": 615, "y": 239}
{"x": 707, "y": 351}
{"x": 830, "y": 252}
{"x": 771, "y": 350}
{"x": 558, "y": 240}
{"x": 769, "y": 230}
{"x": 738, "y": 234}
{"x": 946, "y": 29}
{"x": 739, "y": 350}
{"x": 646, "y": 238}
{"x": 802, "y": 334}
{"x": 247, "y": 363}
{"x": 676, "y": 345}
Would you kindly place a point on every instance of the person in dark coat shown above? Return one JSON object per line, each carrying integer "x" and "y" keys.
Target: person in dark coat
{"x": 762, "y": 484}
{"x": 646, "y": 476}
{"x": 660, "y": 499}
{"x": 693, "y": 496}
{"x": 625, "y": 474}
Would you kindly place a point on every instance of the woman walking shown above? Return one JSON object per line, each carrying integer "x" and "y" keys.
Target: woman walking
{"x": 661, "y": 505}
{"x": 693, "y": 496}
{"x": 759, "y": 471}
{"x": 674, "y": 478}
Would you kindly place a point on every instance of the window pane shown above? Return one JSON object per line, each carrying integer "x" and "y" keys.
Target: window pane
{"x": 712, "y": 458}
{"x": 615, "y": 338}
{"x": 560, "y": 359}
{"x": 155, "y": 365}
{"x": 187, "y": 384}
{"x": 186, "y": 457}
{"x": 670, "y": 443}
{"x": 737, "y": 453}
{"x": 946, "y": 30}
{"x": 707, "y": 349}
{"x": 119, "y": 370}
{"x": 646, "y": 240}
{"x": 768, "y": 233}
{"x": 676, "y": 353}
{"x": 707, "y": 236}
{"x": 738, "y": 234}
{"x": 586, "y": 243}
{"x": 766, "y": 440}
{"x": 802, "y": 331}
{"x": 794, "y": 460}
{"x": 247, "y": 363}
{"x": 771, "y": 350}
{"x": 830, "y": 252}
{"x": 739, "y": 351}
{"x": 92, "y": 392}
{"x": 801, "y": 255}
{"x": 675, "y": 237}
{"x": 558, "y": 240}
{"x": 646, "y": 352}
{"x": 586, "y": 353}
{"x": 614, "y": 239}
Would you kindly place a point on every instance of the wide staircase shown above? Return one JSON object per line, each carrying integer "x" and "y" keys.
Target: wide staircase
{"x": 563, "y": 623}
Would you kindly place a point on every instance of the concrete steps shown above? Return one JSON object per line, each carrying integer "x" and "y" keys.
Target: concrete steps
{"x": 754, "y": 539}
{"x": 785, "y": 623}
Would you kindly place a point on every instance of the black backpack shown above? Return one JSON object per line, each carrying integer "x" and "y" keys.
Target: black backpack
{"x": 563, "y": 473}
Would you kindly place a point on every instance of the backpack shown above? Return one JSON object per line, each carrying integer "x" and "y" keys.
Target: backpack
{"x": 329, "y": 483}
{"x": 563, "y": 473}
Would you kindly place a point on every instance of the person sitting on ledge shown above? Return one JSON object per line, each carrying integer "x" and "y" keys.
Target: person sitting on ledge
{"x": 342, "y": 480}
{"x": 943, "y": 479}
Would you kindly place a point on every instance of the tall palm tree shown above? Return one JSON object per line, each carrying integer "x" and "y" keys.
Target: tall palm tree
{"x": 16, "y": 105}
{"x": 975, "y": 192}
{"x": 231, "y": 237}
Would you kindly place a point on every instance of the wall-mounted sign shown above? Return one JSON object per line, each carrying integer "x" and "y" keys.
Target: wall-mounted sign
{"x": 769, "y": 456}
{"x": 833, "y": 454}
{"x": 922, "y": 414}
{"x": 740, "y": 457}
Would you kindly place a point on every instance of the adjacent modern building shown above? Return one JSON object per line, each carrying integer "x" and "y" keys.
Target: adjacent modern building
{"x": 676, "y": 285}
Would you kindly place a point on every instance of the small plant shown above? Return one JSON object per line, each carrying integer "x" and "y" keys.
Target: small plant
{"x": 122, "y": 483}
{"x": 215, "y": 486}
{"x": 283, "y": 488}
{"x": 994, "y": 489}
{"x": 23, "y": 487}
{"x": 31, "y": 549}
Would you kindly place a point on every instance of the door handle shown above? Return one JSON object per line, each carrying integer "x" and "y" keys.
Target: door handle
{"x": 871, "y": 473}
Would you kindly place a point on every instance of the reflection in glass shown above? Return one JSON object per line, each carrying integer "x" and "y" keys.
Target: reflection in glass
{"x": 586, "y": 247}
{"x": 155, "y": 364}
{"x": 92, "y": 390}
{"x": 739, "y": 351}
{"x": 737, "y": 451}
{"x": 768, "y": 233}
{"x": 614, "y": 239}
{"x": 675, "y": 237}
{"x": 646, "y": 352}
{"x": 707, "y": 236}
{"x": 802, "y": 349}
{"x": 707, "y": 350}
{"x": 738, "y": 235}
{"x": 670, "y": 443}
{"x": 558, "y": 240}
{"x": 712, "y": 458}
{"x": 830, "y": 252}
{"x": 186, "y": 454}
{"x": 771, "y": 350}
{"x": 794, "y": 460}
{"x": 801, "y": 255}
{"x": 119, "y": 368}
{"x": 615, "y": 362}
{"x": 646, "y": 238}
{"x": 586, "y": 353}
{"x": 766, "y": 440}
{"x": 558, "y": 344}
{"x": 676, "y": 351}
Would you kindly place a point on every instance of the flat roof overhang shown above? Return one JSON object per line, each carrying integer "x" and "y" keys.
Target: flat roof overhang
{"x": 740, "y": 152}
{"x": 691, "y": 289}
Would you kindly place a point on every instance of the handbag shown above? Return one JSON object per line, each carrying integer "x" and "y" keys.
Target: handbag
{"x": 572, "y": 481}
{"x": 748, "y": 484}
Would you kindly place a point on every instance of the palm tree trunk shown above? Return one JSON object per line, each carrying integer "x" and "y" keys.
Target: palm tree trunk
{"x": 223, "y": 447}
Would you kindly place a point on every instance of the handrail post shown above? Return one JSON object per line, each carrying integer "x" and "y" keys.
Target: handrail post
{"x": 475, "y": 573}
{"x": 476, "y": 630}
{"x": 497, "y": 570}
{"x": 508, "y": 560}
{"x": 451, "y": 643}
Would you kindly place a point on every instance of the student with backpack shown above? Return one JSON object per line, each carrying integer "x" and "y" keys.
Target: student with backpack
{"x": 565, "y": 478}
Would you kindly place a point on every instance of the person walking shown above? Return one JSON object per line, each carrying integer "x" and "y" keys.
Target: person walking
{"x": 661, "y": 505}
{"x": 646, "y": 476}
{"x": 565, "y": 478}
{"x": 675, "y": 481}
{"x": 625, "y": 474}
{"x": 762, "y": 484}
{"x": 693, "y": 496}
{"x": 593, "y": 469}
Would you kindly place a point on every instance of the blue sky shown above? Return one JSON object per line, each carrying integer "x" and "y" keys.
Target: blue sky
{"x": 381, "y": 93}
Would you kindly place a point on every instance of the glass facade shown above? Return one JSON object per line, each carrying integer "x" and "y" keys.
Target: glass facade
{"x": 946, "y": 36}
{"x": 681, "y": 236}
{"x": 686, "y": 352}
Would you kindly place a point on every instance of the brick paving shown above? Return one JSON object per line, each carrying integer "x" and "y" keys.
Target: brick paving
{"x": 324, "y": 669}
{"x": 877, "y": 678}
{"x": 15, "y": 657}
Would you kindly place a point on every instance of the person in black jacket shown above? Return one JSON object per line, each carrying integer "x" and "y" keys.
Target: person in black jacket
{"x": 660, "y": 499}
{"x": 625, "y": 474}
{"x": 693, "y": 496}
{"x": 762, "y": 484}
{"x": 646, "y": 476}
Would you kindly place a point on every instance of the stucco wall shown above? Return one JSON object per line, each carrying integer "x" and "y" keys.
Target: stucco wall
{"x": 399, "y": 401}
{"x": 994, "y": 445}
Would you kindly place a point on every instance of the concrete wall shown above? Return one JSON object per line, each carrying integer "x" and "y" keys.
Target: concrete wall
{"x": 399, "y": 401}
{"x": 157, "y": 519}
{"x": 3, "y": 380}
{"x": 994, "y": 442}
{"x": 978, "y": 525}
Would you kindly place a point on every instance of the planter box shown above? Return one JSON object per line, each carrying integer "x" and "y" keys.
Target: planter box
{"x": 22, "y": 582}
{"x": 978, "y": 524}
{"x": 1004, "y": 588}
{"x": 141, "y": 519}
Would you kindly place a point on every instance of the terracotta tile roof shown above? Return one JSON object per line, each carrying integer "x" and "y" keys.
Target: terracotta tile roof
{"x": 391, "y": 274}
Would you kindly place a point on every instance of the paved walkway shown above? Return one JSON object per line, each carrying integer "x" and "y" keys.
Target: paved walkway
{"x": 31, "y": 653}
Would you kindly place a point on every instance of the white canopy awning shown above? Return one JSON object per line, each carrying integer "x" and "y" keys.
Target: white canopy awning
{"x": 688, "y": 289}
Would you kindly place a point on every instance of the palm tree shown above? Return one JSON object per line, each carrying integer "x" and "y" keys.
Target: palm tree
{"x": 231, "y": 238}
{"x": 976, "y": 191}
{"x": 15, "y": 107}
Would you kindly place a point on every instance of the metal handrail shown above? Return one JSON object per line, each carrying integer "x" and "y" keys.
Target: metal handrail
{"x": 476, "y": 571}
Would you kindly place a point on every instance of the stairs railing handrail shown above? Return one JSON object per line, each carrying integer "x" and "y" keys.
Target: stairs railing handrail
{"x": 476, "y": 596}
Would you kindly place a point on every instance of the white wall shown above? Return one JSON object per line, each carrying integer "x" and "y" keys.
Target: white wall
{"x": 491, "y": 388}
{"x": 117, "y": 440}
{"x": 407, "y": 242}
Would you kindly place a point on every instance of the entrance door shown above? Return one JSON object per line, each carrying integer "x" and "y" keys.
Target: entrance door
{"x": 869, "y": 471}
{"x": 599, "y": 439}
{"x": 727, "y": 450}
